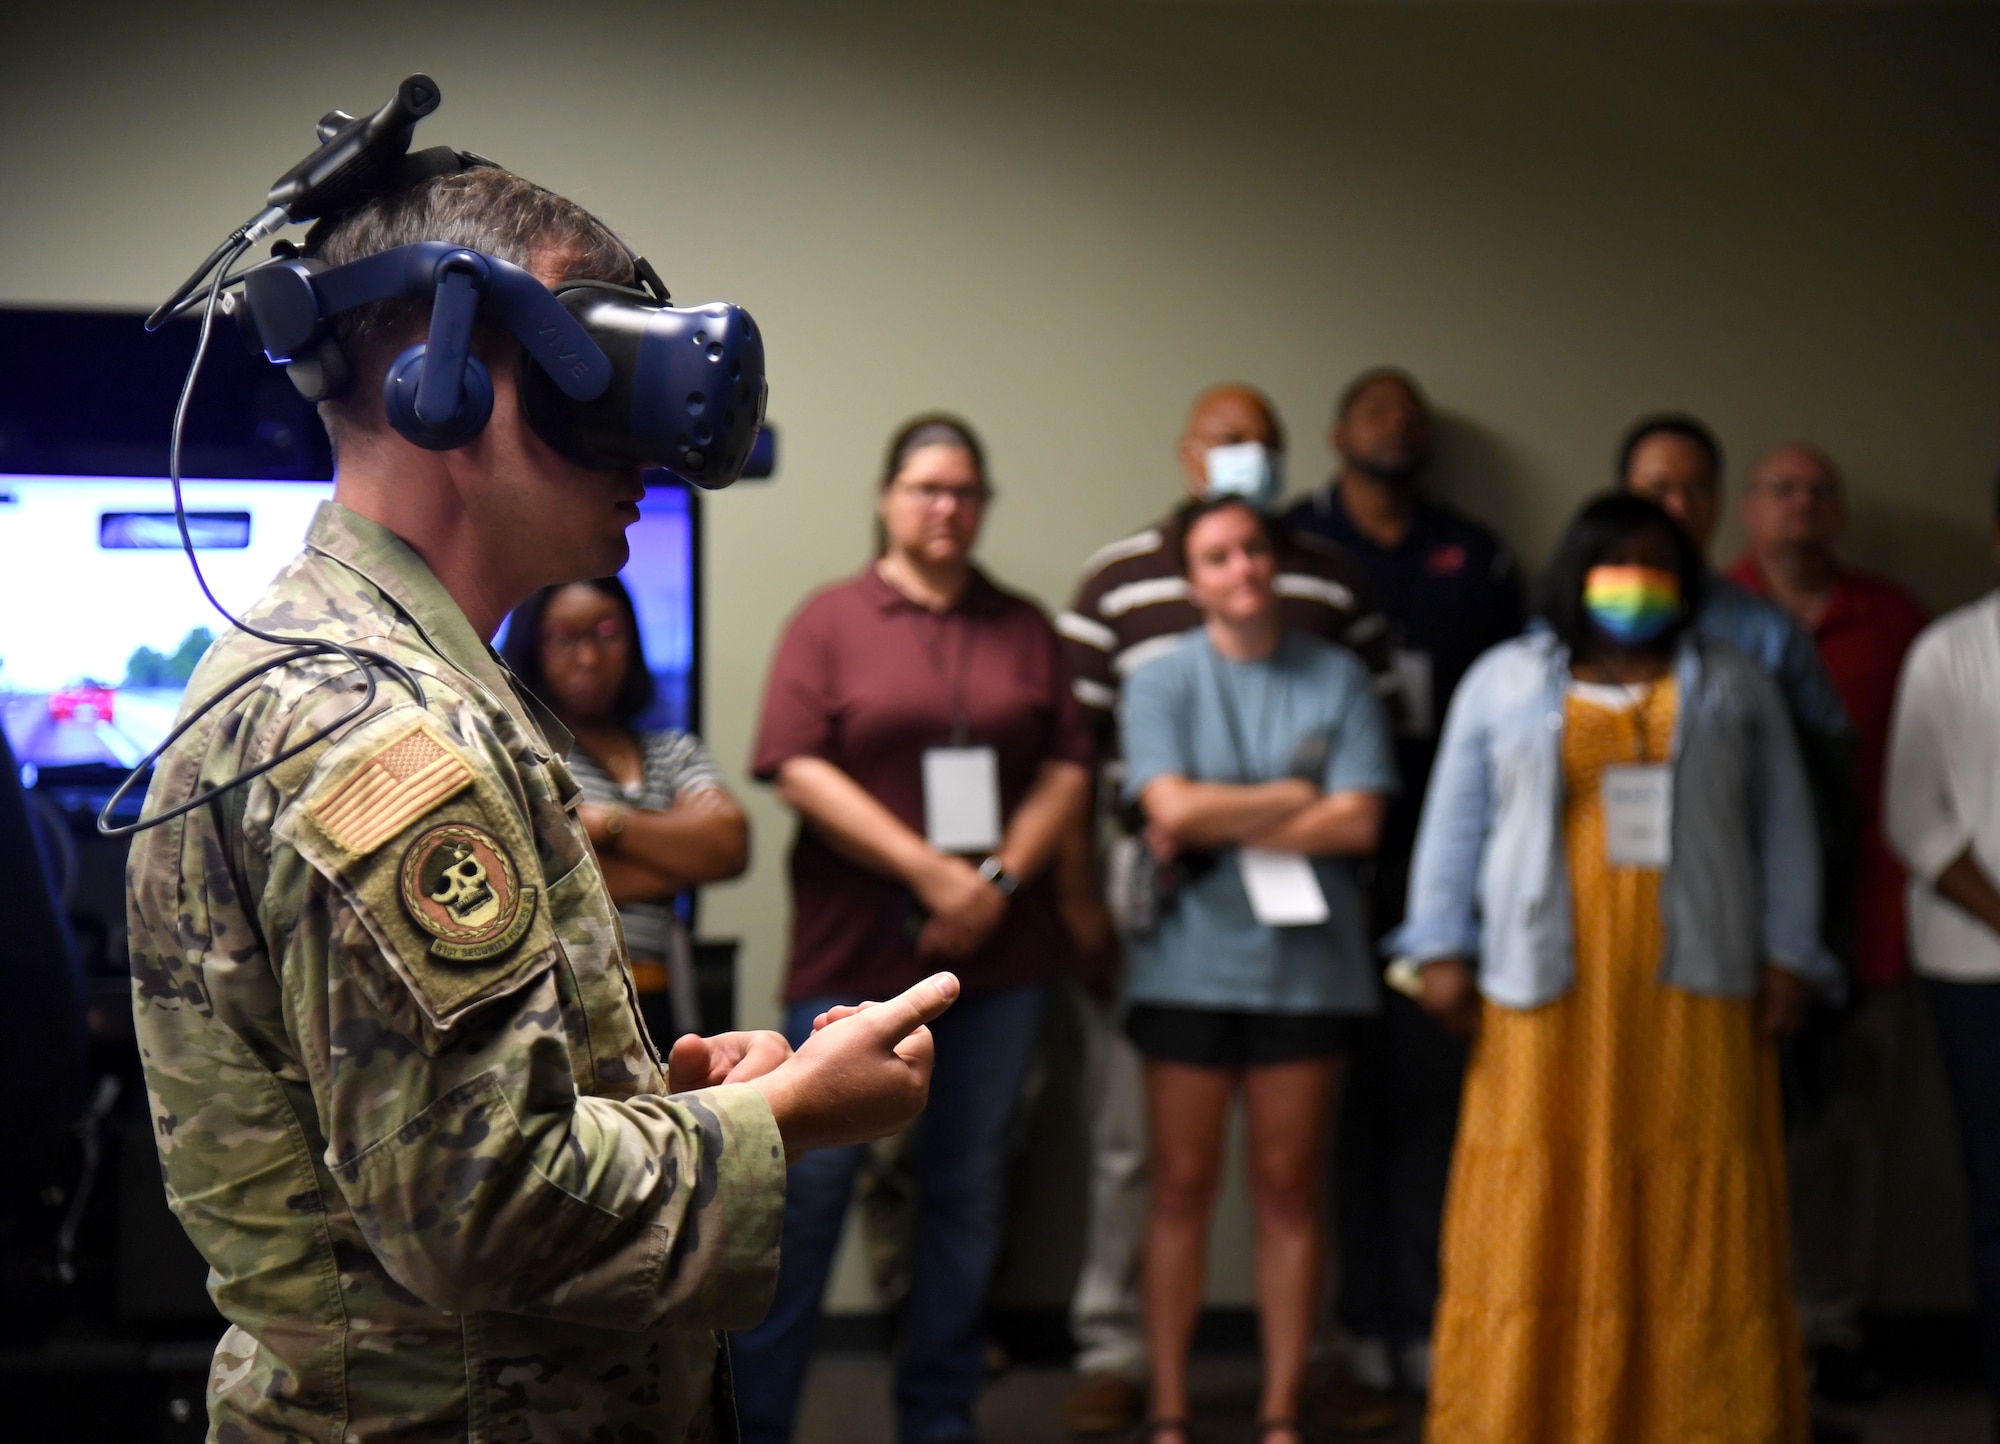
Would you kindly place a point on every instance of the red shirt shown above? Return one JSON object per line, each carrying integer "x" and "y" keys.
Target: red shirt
{"x": 867, "y": 679}
{"x": 1868, "y": 625}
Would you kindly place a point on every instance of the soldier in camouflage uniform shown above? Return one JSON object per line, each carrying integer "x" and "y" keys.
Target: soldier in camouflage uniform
{"x": 403, "y": 1099}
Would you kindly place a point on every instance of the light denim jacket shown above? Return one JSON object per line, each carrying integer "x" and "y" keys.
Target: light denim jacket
{"x": 1490, "y": 879}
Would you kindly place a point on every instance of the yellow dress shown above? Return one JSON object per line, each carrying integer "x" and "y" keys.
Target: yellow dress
{"x": 1616, "y": 1253}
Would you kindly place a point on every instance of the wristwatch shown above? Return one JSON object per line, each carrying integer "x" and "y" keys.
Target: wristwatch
{"x": 995, "y": 872}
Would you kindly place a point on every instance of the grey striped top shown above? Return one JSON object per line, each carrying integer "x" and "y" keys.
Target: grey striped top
{"x": 675, "y": 764}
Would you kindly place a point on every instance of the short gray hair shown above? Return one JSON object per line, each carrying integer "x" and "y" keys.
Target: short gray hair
{"x": 483, "y": 209}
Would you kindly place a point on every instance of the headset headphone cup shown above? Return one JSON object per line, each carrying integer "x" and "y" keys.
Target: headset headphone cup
{"x": 403, "y": 383}
{"x": 437, "y": 394}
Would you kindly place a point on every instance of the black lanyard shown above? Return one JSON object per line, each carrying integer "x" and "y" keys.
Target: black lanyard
{"x": 961, "y": 721}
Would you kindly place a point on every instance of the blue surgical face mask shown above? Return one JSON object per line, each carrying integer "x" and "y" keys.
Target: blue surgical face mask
{"x": 1248, "y": 469}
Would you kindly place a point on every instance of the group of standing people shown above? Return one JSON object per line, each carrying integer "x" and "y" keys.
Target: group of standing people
{"x": 1611, "y": 848}
{"x": 391, "y": 944}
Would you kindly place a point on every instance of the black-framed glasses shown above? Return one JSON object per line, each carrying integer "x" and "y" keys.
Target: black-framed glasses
{"x": 931, "y": 493}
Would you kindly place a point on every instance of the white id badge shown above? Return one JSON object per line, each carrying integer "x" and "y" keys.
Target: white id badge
{"x": 962, "y": 799}
{"x": 1413, "y": 683}
{"x": 1638, "y": 815}
{"x": 1284, "y": 891}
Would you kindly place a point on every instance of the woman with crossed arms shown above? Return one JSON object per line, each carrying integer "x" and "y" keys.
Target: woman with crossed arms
{"x": 1261, "y": 761}
{"x": 652, "y": 799}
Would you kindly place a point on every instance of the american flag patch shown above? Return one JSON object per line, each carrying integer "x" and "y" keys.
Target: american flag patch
{"x": 394, "y": 788}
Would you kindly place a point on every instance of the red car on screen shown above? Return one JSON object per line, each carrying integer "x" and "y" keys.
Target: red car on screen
{"x": 93, "y": 699}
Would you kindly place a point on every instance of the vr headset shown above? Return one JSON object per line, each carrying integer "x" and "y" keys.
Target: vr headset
{"x": 609, "y": 375}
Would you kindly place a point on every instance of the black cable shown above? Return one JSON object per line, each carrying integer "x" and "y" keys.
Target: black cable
{"x": 191, "y": 304}
{"x": 171, "y": 306}
{"x": 358, "y": 658}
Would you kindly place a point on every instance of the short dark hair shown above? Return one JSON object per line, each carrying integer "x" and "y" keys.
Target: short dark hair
{"x": 932, "y": 428}
{"x": 1207, "y": 506}
{"x": 1604, "y": 522}
{"x": 1351, "y": 392}
{"x": 522, "y": 648}
{"x": 483, "y": 209}
{"x": 1668, "y": 423}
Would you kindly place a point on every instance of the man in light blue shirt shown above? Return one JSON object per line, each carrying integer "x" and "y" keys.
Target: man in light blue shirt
{"x": 1675, "y": 461}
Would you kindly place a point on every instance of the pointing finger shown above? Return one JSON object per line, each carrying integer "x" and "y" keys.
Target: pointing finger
{"x": 908, "y": 1011}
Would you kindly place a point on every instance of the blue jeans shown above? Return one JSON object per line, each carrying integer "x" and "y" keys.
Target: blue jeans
{"x": 1968, "y": 1022}
{"x": 984, "y": 1045}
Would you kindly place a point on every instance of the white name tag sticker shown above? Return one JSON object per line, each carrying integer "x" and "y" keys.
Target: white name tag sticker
{"x": 1284, "y": 891}
{"x": 962, "y": 799}
{"x": 1414, "y": 686}
{"x": 1638, "y": 816}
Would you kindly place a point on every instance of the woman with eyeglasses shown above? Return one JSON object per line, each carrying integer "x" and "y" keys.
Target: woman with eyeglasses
{"x": 653, "y": 802}
{"x": 1616, "y": 895}
{"x": 919, "y": 720}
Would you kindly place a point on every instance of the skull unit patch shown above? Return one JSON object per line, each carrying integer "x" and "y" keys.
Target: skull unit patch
{"x": 459, "y": 885}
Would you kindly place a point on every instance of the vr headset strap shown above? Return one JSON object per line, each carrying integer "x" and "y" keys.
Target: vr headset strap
{"x": 287, "y": 320}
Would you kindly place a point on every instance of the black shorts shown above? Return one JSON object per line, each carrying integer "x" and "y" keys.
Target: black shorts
{"x": 1212, "y": 1038}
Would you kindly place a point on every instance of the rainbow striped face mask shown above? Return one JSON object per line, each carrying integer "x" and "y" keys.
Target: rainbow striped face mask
{"x": 1631, "y": 605}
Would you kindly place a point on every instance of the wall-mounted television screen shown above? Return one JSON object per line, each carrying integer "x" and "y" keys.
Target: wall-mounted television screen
{"x": 101, "y": 621}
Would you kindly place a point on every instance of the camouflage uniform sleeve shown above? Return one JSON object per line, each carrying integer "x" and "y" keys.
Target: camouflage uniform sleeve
{"x": 451, "y": 1065}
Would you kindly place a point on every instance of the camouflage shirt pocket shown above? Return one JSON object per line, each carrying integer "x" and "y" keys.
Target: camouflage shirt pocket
{"x": 428, "y": 848}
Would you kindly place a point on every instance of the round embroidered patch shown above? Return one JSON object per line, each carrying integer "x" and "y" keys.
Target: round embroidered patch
{"x": 459, "y": 885}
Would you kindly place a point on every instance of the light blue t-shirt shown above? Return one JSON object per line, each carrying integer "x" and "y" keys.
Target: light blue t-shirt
{"x": 1195, "y": 714}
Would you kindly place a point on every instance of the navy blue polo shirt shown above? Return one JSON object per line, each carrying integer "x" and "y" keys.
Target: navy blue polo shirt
{"x": 1449, "y": 590}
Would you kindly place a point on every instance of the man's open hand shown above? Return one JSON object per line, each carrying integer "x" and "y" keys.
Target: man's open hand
{"x": 863, "y": 1074}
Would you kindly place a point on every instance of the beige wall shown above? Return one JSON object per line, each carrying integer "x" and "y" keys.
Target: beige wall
{"x": 1063, "y": 219}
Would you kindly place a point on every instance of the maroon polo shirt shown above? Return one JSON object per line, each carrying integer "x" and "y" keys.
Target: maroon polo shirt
{"x": 866, "y": 679}
{"x": 1868, "y": 625}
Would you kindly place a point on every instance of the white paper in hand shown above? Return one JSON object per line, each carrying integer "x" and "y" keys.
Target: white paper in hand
{"x": 1638, "y": 816}
{"x": 1284, "y": 891}
{"x": 962, "y": 799}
